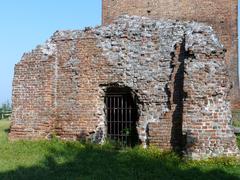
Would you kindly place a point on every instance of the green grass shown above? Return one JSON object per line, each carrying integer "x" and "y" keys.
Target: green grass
{"x": 55, "y": 159}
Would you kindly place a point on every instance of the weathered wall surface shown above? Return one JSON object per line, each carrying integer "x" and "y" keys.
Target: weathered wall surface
{"x": 220, "y": 14}
{"x": 207, "y": 112}
{"x": 33, "y": 89}
{"x": 176, "y": 69}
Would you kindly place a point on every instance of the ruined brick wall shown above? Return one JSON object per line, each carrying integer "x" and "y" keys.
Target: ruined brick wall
{"x": 176, "y": 69}
{"x": 220, "y": 14}
{"x": 33, "y": 90}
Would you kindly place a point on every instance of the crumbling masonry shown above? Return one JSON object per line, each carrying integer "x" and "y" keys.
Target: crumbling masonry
{"x": 176, "y": 70}
{"x": 220, "y": 14}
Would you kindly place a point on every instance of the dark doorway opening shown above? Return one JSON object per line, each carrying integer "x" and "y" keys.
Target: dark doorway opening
{"x": 122, "y": 116}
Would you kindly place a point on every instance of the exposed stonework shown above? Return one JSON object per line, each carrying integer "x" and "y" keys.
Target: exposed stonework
{"x": 220, "y": 14}
{"x": 176, "y": 69}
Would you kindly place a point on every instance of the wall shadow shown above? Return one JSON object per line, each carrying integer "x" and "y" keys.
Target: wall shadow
{"x": 178, "y": 141}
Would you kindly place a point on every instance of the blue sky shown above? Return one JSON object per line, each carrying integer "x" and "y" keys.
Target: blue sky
{"x": 27, "y": 23}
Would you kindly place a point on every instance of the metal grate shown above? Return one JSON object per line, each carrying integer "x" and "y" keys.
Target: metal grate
{"x": 121, "y": 115}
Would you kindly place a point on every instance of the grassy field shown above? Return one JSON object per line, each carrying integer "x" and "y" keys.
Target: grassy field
{"x": 72, "y": 160}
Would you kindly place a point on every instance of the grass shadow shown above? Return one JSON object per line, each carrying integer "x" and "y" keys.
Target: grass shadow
{"x": 98, "y": 162}
{"x": 7, "y": 130}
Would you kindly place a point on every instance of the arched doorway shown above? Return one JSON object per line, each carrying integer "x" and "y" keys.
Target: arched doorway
{"x": 121, "y": 116}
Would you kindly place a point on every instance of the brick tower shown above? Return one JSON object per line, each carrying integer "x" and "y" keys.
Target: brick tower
{"x": 220, "y": 14}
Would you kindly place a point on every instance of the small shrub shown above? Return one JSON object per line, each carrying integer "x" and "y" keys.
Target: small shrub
{"x": 236, "y": 123}
{"x": 238, "y": 140}
{"x": 236, "y": 118}
{"x": 110, "y": 144}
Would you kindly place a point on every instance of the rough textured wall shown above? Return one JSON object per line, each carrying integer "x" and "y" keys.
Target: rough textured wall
{"x": 176, "y": 69}
{"x": 220, "y": 14}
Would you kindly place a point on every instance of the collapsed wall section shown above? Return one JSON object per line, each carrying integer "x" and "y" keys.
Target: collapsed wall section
{"x": 32, "y": 100}
{"x": 172, "y": 67}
